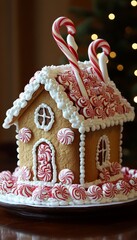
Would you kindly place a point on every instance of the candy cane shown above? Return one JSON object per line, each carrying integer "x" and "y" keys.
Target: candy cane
{"x": 102, "y": 74}
{"x": 69, "y": 48}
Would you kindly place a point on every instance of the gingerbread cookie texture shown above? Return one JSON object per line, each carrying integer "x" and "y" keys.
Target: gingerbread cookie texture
{"x": 69, "y": 122}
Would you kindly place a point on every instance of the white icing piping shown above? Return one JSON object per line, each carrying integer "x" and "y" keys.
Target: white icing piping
{"x": 82, "y": 158}
{"x": 47, "y": 77}
{"x": 34, "y": 168}
{"x": 44, "y": 116}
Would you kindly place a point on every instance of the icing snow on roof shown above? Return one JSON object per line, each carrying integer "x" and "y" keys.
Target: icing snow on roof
{"x": 104, "y": 107}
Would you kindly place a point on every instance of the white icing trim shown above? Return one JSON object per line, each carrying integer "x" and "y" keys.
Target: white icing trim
{"x": 82, "y": 158}
{"x": 47, "y": 77}
{"x": 54, "y": 177}
{"x": 44, "y": 116}
{"x": 105, "y": 162}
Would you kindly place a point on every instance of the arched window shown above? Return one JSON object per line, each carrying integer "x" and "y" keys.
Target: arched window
{"x": 103, "y": 150}
{"x": 44, "y": 117}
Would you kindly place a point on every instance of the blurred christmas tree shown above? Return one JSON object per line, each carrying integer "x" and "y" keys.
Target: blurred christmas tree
{"x": 116, "y": 22}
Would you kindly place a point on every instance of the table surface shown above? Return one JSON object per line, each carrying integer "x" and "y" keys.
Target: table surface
{"x": 111, "y": 224}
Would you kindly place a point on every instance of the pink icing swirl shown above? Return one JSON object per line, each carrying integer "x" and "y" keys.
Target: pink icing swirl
{"x": 6, "y": 186}
{"x": 77, "y": 192}
{"x": 24, "y": 173}
{"x": 60, "y": 192}
{"x": 5, "y": 175}
{"x": 115, "y": 168}
{"x": 104, "y": 174}
{"x": 65, "y": 136}
{"x": 66, "y": 176}
{"x": 25, "y": 190}
{"x": 24, "y": 135}
{"x": 40, "y": 193}
{"x": 94, "y": 193}
{"x": 123, "y": 187}
{"x": 109, "y": 190}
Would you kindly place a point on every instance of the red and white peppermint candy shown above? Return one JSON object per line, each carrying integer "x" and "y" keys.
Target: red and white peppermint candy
{"x": 60, "y": 192}
{"x": 133, "y": 183}
{"x": 77, "y": 192}
{"x": 104, "y": 174}
{"x": 123, "y": 187}
{"x": 109, "y": 190}
{"x": 6, "y": 186}
{"x": 115, "y": 168}
{"x": 66, "y": 176}
{"x": 69, "y": 48}
{"x": 44, "y": 152}
{"x": 24, "y": 135}
{"x": 25, "y": 190}
{"x": 94, "y": 192}
{"x": 99, "y": 43}
{"x": 88, "y": 111}
{"x": 65, "y": 136}
{"x": 5, "y": 175}
{"x": 24, "y": 173}
{"x": 44, "y": 172}
{"x": 40, "y": 193}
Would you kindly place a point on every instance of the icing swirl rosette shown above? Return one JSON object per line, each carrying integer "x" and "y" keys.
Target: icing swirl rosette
{"x": 66, "y": 176}
{"x": 65, "y": 136}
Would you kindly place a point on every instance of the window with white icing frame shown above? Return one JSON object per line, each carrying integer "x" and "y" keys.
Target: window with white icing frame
{"x": 103, "y": 151}
{"x": 44, "y": 117}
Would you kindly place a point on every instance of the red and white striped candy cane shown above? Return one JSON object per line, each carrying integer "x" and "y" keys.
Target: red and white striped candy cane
{"x": 99, "y": 43}
{"x": 69, "y": 48}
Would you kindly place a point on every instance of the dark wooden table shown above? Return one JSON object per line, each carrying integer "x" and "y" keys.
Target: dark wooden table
{"x": 110, "y": 224}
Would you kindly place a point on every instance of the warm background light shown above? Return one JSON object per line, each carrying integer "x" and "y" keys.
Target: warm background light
{"x": 134, "y": 46}
{"x": 94, "y": 36}
{"x": 112, "y": 54}
{"x": 111, "y": 16}
{"x": 133, "y": 3}
{"x": 120, "y": 67}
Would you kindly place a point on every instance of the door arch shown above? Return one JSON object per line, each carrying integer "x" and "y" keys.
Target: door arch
{"x": 44, "y": 167}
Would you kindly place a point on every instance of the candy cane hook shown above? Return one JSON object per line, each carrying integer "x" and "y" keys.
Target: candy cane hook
{"x": 69, "y": 48}
{"x": 99, "y": 67}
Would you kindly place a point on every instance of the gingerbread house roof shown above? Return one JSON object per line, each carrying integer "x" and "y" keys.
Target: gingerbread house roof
{"x": 104, "y": 107}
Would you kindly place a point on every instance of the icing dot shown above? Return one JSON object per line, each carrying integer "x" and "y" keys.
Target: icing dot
{"x": 24, "y": 135}
{"x": 65, "y": 136}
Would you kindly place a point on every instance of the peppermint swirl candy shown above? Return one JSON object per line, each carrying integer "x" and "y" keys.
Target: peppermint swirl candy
{"x": 44, "y": 152}
{"x": 104, "y": 174}
{"x": 133, "y": 183}
{"x": 40, "y": 193}
{"x": 65, "y": 136}
{"x": 24, "y": 173}
{"x": 109, "y": 190}
{"x": 24, "y": 135}
{"x": 25, "y": 190}
{"x": 77, "y": 192}
{"x": 94, "y": 192}
{"x": 123, "y": 187}
{"x": 88, "y": 111}
{"x": 6, "y": 186}
{"x": 5, "y": 175}
{"x": 45, "y": 172}
{"x": 60, "y": 192}
{"x": 115, "y": 168}
{"x": 66, "y": 176}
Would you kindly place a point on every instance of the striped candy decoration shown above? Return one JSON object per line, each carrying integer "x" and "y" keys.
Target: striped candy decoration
{"x": 99, "y": 43}
{"x": 69, "y": 48}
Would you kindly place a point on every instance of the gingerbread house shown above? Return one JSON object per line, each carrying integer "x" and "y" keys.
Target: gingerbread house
{"x": 58, "y": 127}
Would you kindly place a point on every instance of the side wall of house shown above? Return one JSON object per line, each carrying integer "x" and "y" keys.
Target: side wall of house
{"x": 92, "y": 138}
